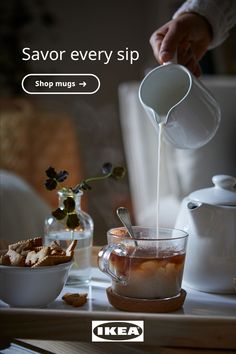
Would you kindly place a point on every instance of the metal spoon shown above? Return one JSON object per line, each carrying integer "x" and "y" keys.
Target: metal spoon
{"x": 124, "y": 216}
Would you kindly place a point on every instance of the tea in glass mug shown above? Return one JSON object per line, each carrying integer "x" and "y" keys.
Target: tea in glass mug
{"x": 149, "y": 266}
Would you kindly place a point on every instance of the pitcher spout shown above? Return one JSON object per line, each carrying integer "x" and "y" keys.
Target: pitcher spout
{"x": 155, "y": 117}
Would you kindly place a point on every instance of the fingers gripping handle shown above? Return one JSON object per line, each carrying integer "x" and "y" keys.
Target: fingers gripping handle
{"x": 104, "y": 261}
{"x": 174, "y": 60}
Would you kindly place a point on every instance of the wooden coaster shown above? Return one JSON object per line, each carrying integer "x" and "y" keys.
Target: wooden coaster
{"x": 146, "y": 305}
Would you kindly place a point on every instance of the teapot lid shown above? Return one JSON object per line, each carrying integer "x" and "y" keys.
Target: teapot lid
{"x": 223, "y": 193}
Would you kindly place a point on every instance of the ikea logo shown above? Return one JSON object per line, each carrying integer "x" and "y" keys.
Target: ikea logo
{"x": 117, "y": 331}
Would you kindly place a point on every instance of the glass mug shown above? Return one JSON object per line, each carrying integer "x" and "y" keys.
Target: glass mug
{"x": 144, "y": 267}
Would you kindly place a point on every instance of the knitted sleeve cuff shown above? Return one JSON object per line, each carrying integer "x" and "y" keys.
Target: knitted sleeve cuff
{"x": 220, "y": 14}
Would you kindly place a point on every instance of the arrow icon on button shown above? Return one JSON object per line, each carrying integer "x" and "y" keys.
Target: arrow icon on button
{"x": 82, "y": 84}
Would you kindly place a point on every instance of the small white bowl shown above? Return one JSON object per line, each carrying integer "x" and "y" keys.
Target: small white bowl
{"x": 32, "y": 287}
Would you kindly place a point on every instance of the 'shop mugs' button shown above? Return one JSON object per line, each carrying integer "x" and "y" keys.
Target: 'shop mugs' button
{"x": 70, "y": 84}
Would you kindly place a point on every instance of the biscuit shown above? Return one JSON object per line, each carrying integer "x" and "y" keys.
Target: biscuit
{"x": 34, "y": 257}
{"x": 5, "y": 260}
{"x": 31, "y": 258}
{"x": 31, "y": 253}
{"x": 52, "y": 260}
{"x": 75, "y": 299}
{"x": 70, "y": 248}
{"x": 15, "y": 258}
{"x": 24, "y": 245}
{"x": 55, "y": 249}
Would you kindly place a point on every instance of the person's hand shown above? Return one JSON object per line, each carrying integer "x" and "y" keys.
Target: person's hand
{"x": 189, "y": 34}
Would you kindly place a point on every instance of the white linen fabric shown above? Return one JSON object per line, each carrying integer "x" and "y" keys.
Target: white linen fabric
{"x": 221, "y": 14}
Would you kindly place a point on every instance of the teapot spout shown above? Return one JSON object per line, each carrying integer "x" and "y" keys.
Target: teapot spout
{"x": 200, "y": 216}
{"x": 193, "y": 206}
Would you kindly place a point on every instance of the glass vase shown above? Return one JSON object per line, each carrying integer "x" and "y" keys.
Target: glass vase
{"x": 57, "y": 230}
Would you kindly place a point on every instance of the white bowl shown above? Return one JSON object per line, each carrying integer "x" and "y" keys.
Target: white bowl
{"x": 32, "y": 287}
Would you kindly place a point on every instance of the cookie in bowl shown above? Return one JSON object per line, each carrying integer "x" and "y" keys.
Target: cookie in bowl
{"x": 32, "y": 275}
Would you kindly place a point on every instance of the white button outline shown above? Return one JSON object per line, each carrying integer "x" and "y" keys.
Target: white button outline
{"x": 60, "y": 93}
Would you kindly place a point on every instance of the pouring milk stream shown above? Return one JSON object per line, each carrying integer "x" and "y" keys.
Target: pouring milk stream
{"x": 181, "y": 109}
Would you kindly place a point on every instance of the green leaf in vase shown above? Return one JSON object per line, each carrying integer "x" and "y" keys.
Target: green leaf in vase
{"x": 72, "y": 221}
{"x": 69, "y": 204}
{"x": 59, "y": 214}
{"x": 51, "y": 184}
{"x": 51, "y": 172}
{"x": 54, "y": 178}
{"x": 118, "y": 172}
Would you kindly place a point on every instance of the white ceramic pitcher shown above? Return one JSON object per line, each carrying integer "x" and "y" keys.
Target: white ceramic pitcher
{"x": 171, "y": 94}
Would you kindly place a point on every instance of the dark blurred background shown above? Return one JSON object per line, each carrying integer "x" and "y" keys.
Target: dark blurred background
{"x": 78, "y": 132}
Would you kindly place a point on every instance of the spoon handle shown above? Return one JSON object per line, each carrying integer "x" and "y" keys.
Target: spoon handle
{"x": 124, "y": 217}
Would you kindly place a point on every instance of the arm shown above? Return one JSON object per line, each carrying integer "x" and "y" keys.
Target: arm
{"x": 189, "y": 35}
{"x": 197, "y": 26}
{"x": 220, "y": 14}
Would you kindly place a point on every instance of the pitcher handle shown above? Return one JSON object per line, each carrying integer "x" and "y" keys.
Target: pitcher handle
{"x": 104, "y": 263}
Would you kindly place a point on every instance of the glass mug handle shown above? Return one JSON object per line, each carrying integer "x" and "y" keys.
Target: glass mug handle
{"x": 104, "y": 263}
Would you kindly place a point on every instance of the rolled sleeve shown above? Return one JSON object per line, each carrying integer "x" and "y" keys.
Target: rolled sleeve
{"x": 221, "y": 14}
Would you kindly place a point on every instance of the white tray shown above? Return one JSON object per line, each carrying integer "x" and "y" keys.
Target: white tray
{"x": 206, "y": 320}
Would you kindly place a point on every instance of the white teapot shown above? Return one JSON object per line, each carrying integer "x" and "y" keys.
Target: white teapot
{"x": 209, "y": 216}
